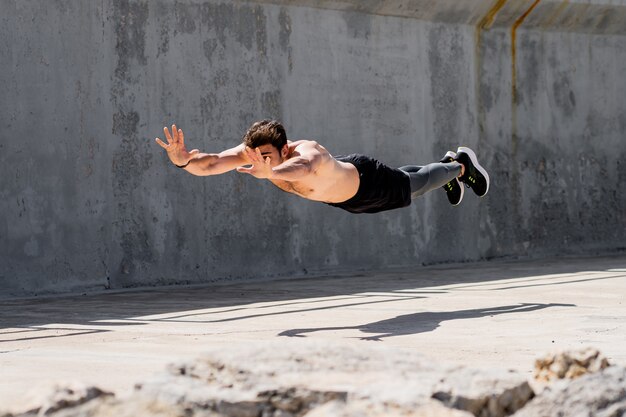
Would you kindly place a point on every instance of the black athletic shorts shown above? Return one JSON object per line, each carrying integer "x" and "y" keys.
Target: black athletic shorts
{"x": 381, "y": 187}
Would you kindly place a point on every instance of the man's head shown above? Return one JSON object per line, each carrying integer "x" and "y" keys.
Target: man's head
{"x": 268, "y": 134}
{"x": 265, "y": 132}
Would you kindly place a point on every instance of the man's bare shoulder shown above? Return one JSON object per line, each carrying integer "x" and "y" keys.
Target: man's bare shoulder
{"x": 306, "y": 145}
{"x": 301, "y": 142}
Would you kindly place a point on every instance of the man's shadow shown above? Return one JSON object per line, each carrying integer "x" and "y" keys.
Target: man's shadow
{"x": 423, "y": 322}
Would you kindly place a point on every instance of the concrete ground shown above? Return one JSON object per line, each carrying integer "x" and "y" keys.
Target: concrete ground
{"x": 492, "y": 314}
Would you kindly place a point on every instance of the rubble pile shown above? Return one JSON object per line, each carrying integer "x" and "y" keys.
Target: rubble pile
{"x": 312, "y": 379}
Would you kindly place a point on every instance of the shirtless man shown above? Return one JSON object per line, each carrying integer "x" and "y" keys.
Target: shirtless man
{"x": 356, "y": 183}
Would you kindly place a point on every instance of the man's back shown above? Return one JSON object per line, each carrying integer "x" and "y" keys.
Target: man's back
{"x": 330, "y": 181}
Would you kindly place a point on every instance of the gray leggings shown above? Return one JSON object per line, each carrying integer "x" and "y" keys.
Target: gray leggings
{"x": 430, "y": 177}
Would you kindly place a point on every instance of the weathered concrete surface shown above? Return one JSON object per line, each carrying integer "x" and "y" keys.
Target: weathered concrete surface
{"x": 494, "y": 315}
{"x": 600, "y": 16}
{"x": 88, "y": 201}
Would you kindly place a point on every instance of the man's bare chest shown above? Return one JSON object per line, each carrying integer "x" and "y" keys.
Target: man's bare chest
{"x": 298, "y": 188}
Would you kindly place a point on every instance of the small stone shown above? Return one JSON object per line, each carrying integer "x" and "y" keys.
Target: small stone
{"x": 569, "y": 364}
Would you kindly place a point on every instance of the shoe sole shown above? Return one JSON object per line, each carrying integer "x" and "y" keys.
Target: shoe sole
{"x": 478, "y": 167}
{"x": 462, "y": 188}
{"x": 450, "y": 156}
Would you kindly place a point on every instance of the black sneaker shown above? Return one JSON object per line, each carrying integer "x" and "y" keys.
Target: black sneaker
{"x": 454, "y": 190}
{"x": 475, "y": 176}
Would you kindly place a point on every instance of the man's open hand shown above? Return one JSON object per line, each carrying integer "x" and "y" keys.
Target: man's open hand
{"x": 260, "y": 167}
{"x": 175, "y": 146}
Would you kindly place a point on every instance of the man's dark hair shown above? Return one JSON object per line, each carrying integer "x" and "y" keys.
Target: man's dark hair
{"x": 264, "y": 132}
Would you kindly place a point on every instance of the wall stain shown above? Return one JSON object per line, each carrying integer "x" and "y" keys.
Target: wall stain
{"x": 284, "y": 21}
{"x": 129, "y": 164}
{"x": 564, "y": 95}
{"x": 209, "y": 46}
{"x": 130, "y": 29}
{"x": 359, "y": 25}
{"x": 270, "y": 102}
{"x": 487, "y": 21}
{"x": 246, "y": 24}
{"x": 164, "y": 46}
{"x": 514, "y": 28}
{"x": 260, "y": 30}
{"x": 515, "y": 177}
{"x": 484, "y": 24}
{"x": 550, "y": 21}
{"x": 445, "y": 49}
{"x": 184, "y": 19}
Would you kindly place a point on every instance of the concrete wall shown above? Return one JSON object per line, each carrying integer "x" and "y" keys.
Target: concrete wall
{"x": 88, "y": 201}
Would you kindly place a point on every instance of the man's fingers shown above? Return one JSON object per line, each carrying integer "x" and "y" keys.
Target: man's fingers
{"x": 160, "y": 142}
{"x": 195, "y": 151}
{"x": 181, "y": 137}
{"x": 255, "y": 154}
{"x": 175, "y": 133}
{"x": 251, "y": 154}
{"x": 167, "y": 135}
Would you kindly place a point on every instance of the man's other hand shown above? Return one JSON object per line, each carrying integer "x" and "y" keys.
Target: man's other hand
{"x": 175, "y": 146}
{"x": 260, "y": 167}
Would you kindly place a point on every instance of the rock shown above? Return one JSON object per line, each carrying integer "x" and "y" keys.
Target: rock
{"x": 64, "y": 396}
{"x": 309, "y": 374}
{"x": 293, "y": 379}
{"x": 599, "y": 394}
{"x": 432, "y": 408}
{"x": 312, "y": 379}
{"x": 132, "y": 407}
{"x": 489, "y": 393}
{"x": 569, "y": 364}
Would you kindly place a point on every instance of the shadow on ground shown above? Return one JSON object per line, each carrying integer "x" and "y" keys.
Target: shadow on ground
{"x": 408, "y": 324}
{"x": 24, "y": 319}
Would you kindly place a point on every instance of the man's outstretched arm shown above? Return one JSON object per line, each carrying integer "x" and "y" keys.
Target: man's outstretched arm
{"x": 198, "y": 163}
